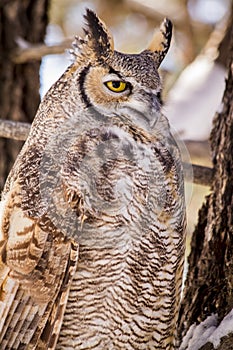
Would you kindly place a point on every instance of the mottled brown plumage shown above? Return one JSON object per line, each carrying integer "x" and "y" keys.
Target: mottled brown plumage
{"x": 92, "y": 215}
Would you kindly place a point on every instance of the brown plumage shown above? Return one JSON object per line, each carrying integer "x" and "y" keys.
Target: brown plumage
{"x": 92, "y": 214}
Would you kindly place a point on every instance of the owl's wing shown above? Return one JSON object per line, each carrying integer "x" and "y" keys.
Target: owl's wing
{"x": 36, "y": 269}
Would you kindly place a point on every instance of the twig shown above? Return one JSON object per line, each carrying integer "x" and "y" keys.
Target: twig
{"x": 202, "y": 175}
{"x": 36, "y": 52}
{"x": 156, "y": 10}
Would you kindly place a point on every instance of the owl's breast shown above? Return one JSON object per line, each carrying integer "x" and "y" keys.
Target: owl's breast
{"x": 124, "y": 191}
{"x": 112, "y": 177}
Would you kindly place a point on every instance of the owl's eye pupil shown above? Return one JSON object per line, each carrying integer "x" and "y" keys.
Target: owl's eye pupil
{"x": 116, "y": 84}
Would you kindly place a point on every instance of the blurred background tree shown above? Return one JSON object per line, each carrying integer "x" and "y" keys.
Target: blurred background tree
{"x": 21, "y": 23}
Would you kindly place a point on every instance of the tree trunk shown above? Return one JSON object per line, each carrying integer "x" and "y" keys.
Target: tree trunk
{"x": 206, "y": 316}
{"x": 19, "y": 83}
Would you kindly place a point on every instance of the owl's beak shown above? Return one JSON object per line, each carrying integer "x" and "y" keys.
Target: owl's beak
{"x": 155, "y": 102}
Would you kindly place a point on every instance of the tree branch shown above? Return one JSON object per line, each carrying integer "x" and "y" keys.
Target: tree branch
{"x": 202, "y": 175}
{"x": 14, "y": 130}
{"x": 36, "y": 52}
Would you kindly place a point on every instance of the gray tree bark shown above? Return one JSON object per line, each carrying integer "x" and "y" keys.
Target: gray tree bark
{"x": 19, "y": 83}
{"x": 209, "y": 284}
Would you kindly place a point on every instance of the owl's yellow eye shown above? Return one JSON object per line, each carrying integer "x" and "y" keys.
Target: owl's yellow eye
{"x": 116, "y": 85}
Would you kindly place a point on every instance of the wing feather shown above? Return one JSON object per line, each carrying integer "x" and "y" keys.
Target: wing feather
{"x": 36, "y": 269}
{"x": 54, "y": 322}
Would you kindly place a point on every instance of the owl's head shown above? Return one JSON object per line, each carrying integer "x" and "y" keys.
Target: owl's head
{"x": 112, "y": 82}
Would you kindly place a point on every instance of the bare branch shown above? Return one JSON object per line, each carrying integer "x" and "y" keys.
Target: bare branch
{"x": 36, "y": 52}
{"x": 14, "y": 130}
{"x": 19, "y": 131}
{"x": 157, "y": 10}
{"x": 202, "y": 175}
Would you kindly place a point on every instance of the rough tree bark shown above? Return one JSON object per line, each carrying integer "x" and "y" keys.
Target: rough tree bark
{"x": 208, "y": 293}
{"x": 19, "y": 83}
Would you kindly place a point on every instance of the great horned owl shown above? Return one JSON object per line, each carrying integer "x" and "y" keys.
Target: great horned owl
{"x": 92, "y": 215}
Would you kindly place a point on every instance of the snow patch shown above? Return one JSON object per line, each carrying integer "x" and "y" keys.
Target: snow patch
{"x": 198, "y": 335}
{"x": 208, "y": 331}
{"x": 225, "y": 328}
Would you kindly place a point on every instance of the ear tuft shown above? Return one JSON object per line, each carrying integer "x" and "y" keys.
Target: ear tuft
{"x": 161, "y": 40}
{"x": 100, "y": 38}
